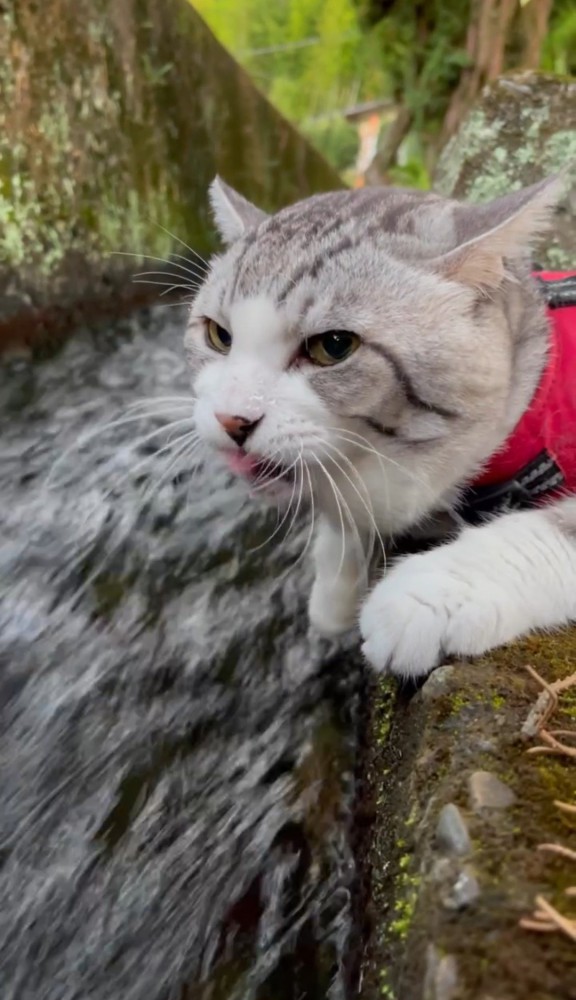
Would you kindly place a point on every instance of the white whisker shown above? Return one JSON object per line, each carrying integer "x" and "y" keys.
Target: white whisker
{"x": 366, "y": 506}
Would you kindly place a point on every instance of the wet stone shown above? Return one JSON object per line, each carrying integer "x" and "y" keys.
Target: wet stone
{"x": 439, "y": 680}
{"x": 488, "y": 792}
{"x": 451, "y": 831}
{"x": 463, "y": 892}
{"x": 441, "y": 982}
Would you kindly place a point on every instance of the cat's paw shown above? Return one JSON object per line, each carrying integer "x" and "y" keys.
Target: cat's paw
{"x": 332, "y": 608}
{"x": 427, "y": 607}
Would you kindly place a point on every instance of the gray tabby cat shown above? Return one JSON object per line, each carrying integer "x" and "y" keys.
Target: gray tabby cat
{"x": 369, "y": 350}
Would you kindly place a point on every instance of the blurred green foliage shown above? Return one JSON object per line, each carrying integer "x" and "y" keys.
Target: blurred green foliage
{"x": 559, "y": 52}
{"x": 316, "y": 58}
{"x": 335, "y": 138}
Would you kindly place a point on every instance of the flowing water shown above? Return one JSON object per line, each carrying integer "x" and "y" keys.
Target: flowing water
{"x": 177, "y": 755}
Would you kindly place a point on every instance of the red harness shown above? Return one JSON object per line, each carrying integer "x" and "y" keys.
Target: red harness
{"x": 538, "y": 460}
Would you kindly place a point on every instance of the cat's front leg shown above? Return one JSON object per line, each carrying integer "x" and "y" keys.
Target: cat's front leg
{"x": 492, "y": 584}
{"x": 340, "y": 580}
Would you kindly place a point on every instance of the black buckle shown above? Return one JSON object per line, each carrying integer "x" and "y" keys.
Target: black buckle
{"x": 558, "y": 292}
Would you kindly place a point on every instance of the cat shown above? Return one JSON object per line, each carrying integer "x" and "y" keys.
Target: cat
{"x": 370, "y": 351}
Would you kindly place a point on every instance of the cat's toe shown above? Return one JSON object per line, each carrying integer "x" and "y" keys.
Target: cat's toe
{"x": 402, "y": 634}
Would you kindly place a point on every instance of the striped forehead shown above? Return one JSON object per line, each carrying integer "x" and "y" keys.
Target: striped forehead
{"x": 299, "y": 242}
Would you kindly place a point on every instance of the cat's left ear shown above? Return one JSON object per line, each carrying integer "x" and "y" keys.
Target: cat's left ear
{"x": 233, "y": 213}
{"x": 497, "y": 231}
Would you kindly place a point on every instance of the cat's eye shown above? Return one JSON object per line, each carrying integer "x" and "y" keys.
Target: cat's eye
{"x": 331, "y": 347}
{"x": 217, "y": 337}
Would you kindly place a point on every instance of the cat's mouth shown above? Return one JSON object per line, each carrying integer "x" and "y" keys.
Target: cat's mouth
{"x": 260, "y": 472}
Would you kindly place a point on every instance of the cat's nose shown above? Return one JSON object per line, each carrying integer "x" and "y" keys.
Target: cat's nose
{"x": 238, "y": 428}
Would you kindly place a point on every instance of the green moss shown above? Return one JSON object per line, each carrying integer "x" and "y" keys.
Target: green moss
{"x": 458, "y": 701}
{"x": 384, "y": 701}
{"x": 405, "y": 904}
{"x": 385, "y": 989}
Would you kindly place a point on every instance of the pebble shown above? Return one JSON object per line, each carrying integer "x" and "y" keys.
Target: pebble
{"x": 441, "y": 976}
{"x": 451, "y": 831}
{"x": 488, "y": 792}
{"x": 437, "y": 683}
{"x": 463, "y": 892}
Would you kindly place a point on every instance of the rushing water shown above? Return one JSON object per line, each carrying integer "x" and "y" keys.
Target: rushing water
{"x": 177, "y": 755}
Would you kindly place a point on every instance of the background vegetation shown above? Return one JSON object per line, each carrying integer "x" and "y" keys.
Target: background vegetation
{"x": 316, "y": 58}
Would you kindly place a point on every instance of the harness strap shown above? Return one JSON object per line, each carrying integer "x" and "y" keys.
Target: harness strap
{"x": 542, "y": 475}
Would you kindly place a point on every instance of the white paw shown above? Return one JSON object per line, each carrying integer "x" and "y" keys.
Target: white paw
{"x": 430, "y": 606}
{"x": 332, "y": 608}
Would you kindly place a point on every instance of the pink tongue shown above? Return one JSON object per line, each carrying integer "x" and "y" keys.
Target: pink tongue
{"x": 242, "y": 464}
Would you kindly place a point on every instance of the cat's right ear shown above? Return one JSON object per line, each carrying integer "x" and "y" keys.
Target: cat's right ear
{"x": 233, "y": 214}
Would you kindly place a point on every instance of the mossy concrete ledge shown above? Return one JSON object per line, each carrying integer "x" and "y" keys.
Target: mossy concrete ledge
{"x": 446, "y": 907}
{"x": 114, "y": 117}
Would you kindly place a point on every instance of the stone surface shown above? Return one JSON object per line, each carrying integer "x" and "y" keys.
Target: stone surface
{"x": 488, "y": 792}
{"x": 463, "y": 892}
{"x": 441, "y": 976}
{"x": 522, "y": 129}
{"x": 470, "y": 910}
{"x": 114, "y": 118}
{"x": 435, "y": 685}
{"x": 452, "y": 832}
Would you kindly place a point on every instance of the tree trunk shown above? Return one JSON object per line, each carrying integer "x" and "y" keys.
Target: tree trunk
{"x": 492, "y": 24}
{"x": 386, "y": 155}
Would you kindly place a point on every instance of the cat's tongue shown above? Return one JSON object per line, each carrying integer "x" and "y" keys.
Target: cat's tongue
{"x": 259, "y": 470}
{"x": 243, "y": 464}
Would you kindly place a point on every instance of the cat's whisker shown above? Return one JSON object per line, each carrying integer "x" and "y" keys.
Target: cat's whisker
{"x": 367, "y": 446}
{"x": 304, "y": 468}
{"x": 193, "y": 270}
{"x": 167, "y": 274}
{"x": 99, "y": 431}
{"x": 313, "y": 506}
{"x": 279, "y": 522}
{"x": 297, "y": 509}
{"x": 116, "y": 483}
{"x": 163, "y": 284}
{"x": 185, "y": 245}
{"x": 339, "y": 509}
{"x": 341, "y": 501}
{"x": 367, "y": 506}
{"x": 153, "y": 400}
{"x": 170, "y": 261}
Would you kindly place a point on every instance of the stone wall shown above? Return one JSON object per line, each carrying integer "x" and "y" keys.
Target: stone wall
{"x": 522, "y": 129}
{"x": 114, "y": 117}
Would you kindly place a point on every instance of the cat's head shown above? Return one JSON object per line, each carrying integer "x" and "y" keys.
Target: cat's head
{"x": 376, "y": 333}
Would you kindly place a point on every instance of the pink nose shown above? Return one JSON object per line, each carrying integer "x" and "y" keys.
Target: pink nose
{"x": 238, "y": 428}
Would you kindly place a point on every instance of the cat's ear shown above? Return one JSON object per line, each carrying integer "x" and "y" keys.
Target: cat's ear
{"x": 499, "y": 230}
{"x": 233, "y": 213}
